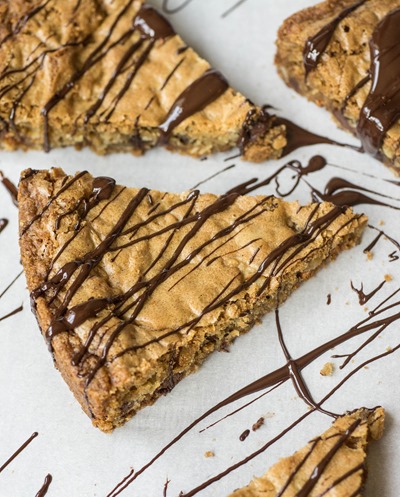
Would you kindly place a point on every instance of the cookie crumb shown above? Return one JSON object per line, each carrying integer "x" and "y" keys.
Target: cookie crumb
{"x": 209, "y": 453}
{"x": 257, "y": 425}
{"x": 381, "y": 222}
{"x": 327, "y": 369}
{"x": 388, "y": 277}
{"x": 369, "y": 255}
{"x": 388, "y": 349}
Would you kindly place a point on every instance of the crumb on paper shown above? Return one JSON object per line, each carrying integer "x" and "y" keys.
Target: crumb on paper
{"x": 388, "y": 277}
{"x": 369, "y": 254}
{"x": 327, "y": 369}
{"x": 381, "y": 222}
{"x": 366, "y": 367}
{"x": 366, "y": 309}
{"x": 389, "y": 349}
{"x": 257, "y": 425}
{"x": 209, "y": 453}
{"x": 269, "y": 415}
{"x": 347, "y": 303}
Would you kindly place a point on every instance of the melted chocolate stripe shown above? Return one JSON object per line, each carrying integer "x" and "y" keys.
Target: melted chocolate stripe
{"x": 10, "y": 285}
{"x": 363, "y": 298}
{"x": 45, "y": 487}
{"x": 295, "y": 374}
{"x": 174, "y": 10}
{"x": 18, "y": 451}
{"x": 10, "y": 187}
{"x": 12, "y": 313}
{"x": 194, "y": 98}
{"x": 3, "y": 224}
{"x": 317, "y": 44}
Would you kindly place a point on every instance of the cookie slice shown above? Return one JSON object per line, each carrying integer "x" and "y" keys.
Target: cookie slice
{"x": 116, "y": 77}
{"x": 332, "y": 465}
{"x": 344, "y": 55}
{"x": 133, "y": 288}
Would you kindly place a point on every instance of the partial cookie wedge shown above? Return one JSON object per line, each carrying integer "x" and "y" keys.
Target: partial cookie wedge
{"x": 331, "y": 465}
{"x": 343, "y": 55}
{"x": 133, "y": 288}
{"x": 115, "y": 76}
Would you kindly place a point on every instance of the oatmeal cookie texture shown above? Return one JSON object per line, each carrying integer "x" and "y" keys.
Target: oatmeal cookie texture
{"x": 133, "y": 288}
{"x": 344, "y": 55}
{"x": 331, "y": 465}
{"x": 115, "y": 76}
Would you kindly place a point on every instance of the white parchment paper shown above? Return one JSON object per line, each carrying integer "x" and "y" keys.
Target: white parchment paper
{"x": 87, "y": 463}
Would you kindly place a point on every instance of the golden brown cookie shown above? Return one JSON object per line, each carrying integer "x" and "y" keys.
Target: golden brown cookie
{"x": 331, "y": 465}
{"x": 133, "y": 288}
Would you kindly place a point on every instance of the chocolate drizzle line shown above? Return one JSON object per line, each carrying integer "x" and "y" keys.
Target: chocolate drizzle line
{"x": 373, "y": 322}
{"x": 317, "y": 44}
{"x": 45, "y": 487}
{"x": 10, "y": 187}
{"x": 3, "y": 224}
{"x": 18, "y": 451}
{"x": 295, "y": 374}
{"x": 173, "y": 10}
{"x": 363, "y": 298}
{"x": 381, "y": 233}
{"x": 233, "y": 8}
{"x": 258, "y": 123}
{"x": 339, "y": 191}
{"x": 194, "y": 98}
{"x": 10, "y": 285}
{"x": 15, "y": 311}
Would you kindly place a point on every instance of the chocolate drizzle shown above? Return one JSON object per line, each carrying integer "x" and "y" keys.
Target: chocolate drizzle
{"x": 3, "y": 224}
{"x": 18, "y": 451}
{"x": 381, "y": 108}
{"x": 173, "y": 10}
{"x": 12, "y": 190}
{"x": 45, "y": 487}
{"x": 363, "y": 298}
{"x": 339, "y": 191}
{"x": 258, "y": 123}
{"x": 317, "y": 44}
{"x": 153, "y": 25}
{"x": 12, "y": 313}
{"x": 194, "y": 98}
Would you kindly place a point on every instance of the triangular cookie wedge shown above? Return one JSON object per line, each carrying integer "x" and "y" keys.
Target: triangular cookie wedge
{"x": 331, "y": 465}
{"x": 343, "y": 55}
{"x": 115, "y": 76}
{"x": 133, "y": 288}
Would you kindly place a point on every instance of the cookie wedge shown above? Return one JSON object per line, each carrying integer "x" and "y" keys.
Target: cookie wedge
{"x": 116, "y": 77}
{"x": 133, "y": 288}
{"x": 331, "y": 465}
{"x": 343, "y": 55}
